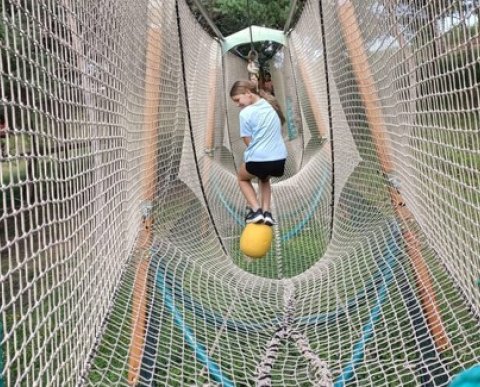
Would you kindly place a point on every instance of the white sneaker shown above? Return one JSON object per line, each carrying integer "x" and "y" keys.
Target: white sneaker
{"x": 268, "y": 220}
{"x": 254, "y": 216}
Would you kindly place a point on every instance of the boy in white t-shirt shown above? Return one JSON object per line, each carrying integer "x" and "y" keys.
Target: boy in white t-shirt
{"x": 261, "y": 129}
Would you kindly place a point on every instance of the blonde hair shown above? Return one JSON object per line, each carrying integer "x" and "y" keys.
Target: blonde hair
{"x": 241, "y": 87}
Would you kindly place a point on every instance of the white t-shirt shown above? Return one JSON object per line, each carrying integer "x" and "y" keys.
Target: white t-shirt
{"x": 260, "y": 121}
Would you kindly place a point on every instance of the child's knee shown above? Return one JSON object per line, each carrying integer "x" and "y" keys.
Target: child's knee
{"x": 242, "y": 178}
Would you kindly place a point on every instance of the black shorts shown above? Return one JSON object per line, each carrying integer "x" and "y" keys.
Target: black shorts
{"x": 264, "y": 169}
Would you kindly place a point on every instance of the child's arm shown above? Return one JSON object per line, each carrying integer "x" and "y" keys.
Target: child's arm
{"x": 247, "y": 140}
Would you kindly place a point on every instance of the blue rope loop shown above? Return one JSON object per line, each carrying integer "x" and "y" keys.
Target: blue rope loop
{"x": 467, "y": 378}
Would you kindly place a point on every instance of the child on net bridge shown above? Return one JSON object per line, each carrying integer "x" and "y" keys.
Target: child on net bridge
{"x": 261, "y": 122}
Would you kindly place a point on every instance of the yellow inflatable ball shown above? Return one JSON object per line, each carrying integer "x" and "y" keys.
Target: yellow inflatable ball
{"x": 256, "y": 240}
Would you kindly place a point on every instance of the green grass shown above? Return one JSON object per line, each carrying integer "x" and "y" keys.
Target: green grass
{"x": 110, "y": 365}
{"x": 48, "y": 334}
{"x": 449, "y": 161}
{"x": 176, "y": 364}
{"x": 303, "y": 250}
{"x": 298, "y": 253}
{"x": 13, "y": 172}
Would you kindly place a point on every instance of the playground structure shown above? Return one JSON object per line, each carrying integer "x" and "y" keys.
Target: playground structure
{"x": 121, "y": 216}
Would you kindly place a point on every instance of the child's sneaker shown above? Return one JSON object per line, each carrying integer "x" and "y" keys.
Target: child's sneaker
{"x": 268, "y": 220}
{"x": 254, "y": 216}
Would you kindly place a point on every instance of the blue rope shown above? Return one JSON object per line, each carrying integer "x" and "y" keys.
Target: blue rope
{"x": 368, "y": 329}
{"x": 383, "y": 276}
{"x": 467, "y": 378}
{"x": 200, "y": 352}
{"x": 311, "y": 211}
{"x": 247, "y": 327}
{"x": 293, "y": 232}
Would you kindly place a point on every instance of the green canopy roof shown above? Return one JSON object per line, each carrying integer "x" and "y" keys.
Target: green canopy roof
{"x": 259, "y": 34}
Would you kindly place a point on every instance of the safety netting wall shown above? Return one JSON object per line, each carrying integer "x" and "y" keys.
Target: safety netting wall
{"x": 121, "y": 213}
{"x": 72, "y": 116}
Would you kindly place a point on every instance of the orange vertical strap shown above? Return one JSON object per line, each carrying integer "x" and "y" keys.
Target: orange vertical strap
{"x": 139, "y": 309}
{"x": 209, "y": 142}
{"x": 366, "y": 84}
{"x": 212, "y": 100}
{"x": 424, "y": 282}
{"x": 312, "y": 97}
{"x": 152, "y": 100}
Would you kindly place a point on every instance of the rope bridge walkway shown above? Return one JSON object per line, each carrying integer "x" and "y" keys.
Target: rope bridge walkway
{"x": 121, "y": 216}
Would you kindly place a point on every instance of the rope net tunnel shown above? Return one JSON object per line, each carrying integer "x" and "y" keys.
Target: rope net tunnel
{"x": 121, "y": 215}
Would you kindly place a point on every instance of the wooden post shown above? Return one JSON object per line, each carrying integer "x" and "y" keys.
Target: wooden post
{"x": 366, "y": 85}
{"x": 152, "y": 96}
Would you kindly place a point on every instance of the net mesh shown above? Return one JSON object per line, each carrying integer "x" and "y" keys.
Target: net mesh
{"x": 121, "y": 214}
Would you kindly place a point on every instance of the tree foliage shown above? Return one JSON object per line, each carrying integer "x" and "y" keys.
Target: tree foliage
{"x": 231, "y": 16}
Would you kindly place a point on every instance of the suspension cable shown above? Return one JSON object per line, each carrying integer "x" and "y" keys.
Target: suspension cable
{"x": 252, "y": 67}
{"x": 208, "y": 20}
{"x": 293, "y": 7}
{"x": 249, "y": 16}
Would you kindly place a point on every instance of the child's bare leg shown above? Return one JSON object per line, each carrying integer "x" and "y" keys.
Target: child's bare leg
{"x": 266, "y": 192}
{"x": 245, "y": 183}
